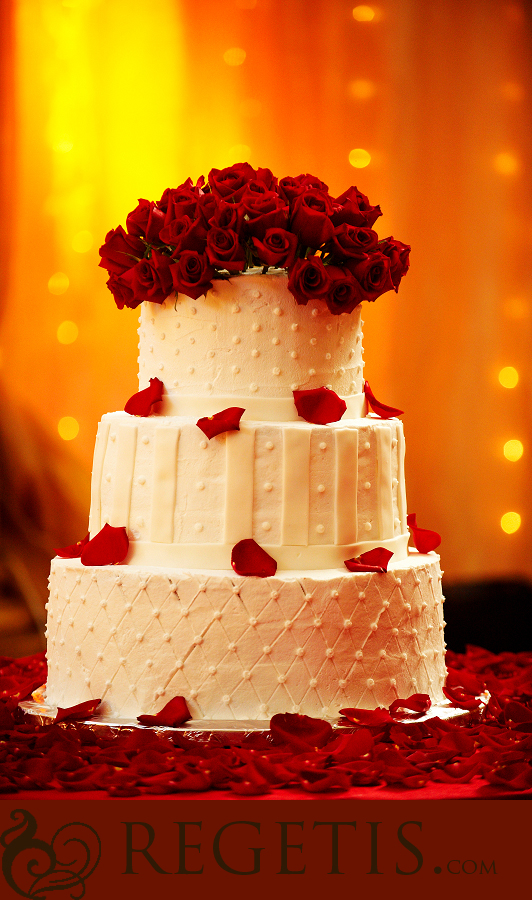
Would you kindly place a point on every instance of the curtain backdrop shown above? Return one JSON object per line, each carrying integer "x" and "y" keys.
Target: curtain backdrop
{"x": 106, "y": 101}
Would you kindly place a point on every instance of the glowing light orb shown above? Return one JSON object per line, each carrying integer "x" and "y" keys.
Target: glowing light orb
{"x": 359, "y": 158}
{"x": 67, "y": 332}
{"x": 513, "y": 450}
{"x": 63, "y": 146}
{"x": 235, "y": 56}
{"x": 363, "y": 14}
{"x": 510, "y": 522}
{"x": 239, "y": 153}
{"x": 58, "y": 283}
{"x": 362, "y": 89}
{"x": 506, "y": 163}
{"x": 82, "y": 241}
{"x": 508, "y": 377}
{"x": 68, "y": 428}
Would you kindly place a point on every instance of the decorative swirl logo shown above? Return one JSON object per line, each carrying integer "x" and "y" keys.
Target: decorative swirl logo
{"x": 34, "y": 868}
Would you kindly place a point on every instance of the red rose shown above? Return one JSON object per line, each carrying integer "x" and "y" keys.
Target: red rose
{"x": 231, "y": 181}
{"x": 290, "y": 188}
{"x": 353, "y": 242}
{"x": 187, "y": 185}
{"x": 308, "y": 280}
{"x": 277, "y": 248}
{"x": 264, "y": 210}
{"x": 228, "y": 215}
{"x": 399, "y": 256}
{"x": 311, "y": 218}
{"x": 207, "y": 206}
{"x": 180, "y": 202}
{"x": 354, "y": 207}
{"x": 373, "y": 274}
{"x": 184, "y": 234}
{"x": 345, "y": 292}
{"x": 120, "y": 251}
{"x": 122, "y": 293}
{"x": 150, "y": 279}
{"x": 191, "y": 274}
{"x": 146, "y": 221}
{"x": 224, "y": 250}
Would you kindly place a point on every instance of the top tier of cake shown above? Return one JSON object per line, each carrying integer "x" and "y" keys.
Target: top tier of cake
{"x": 252, "y": 351}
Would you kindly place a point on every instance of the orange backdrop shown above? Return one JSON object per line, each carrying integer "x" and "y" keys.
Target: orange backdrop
{"x": 106, "y": 101}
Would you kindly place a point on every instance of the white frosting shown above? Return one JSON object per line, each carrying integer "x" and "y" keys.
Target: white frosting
{"x": 316, "y": 641}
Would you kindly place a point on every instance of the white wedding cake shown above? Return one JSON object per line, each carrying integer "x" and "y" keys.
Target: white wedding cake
{"x": 174, "y": 618}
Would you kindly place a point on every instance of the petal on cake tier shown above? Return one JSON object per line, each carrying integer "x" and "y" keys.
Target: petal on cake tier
{"x": 319, "y": 405}
{"x": 80, "y": 711}
{"x": 140, "y": 404}
{"x": 109, "y": 547}
{"x": 375, "y": 560}
{"x": 73, "y": 551}
{"x": 385, "y": 412}
{"x": 248, "y": 558}
{"x": 173, "y": 714}
{"x": 417, "y": 703}
{"x": 300, "y": 731}
{"x": 424, "y": 540}
{"x": 225, "y": 420}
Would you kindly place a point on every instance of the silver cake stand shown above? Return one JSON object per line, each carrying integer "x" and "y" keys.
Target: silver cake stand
{"x": 233, "y": 731}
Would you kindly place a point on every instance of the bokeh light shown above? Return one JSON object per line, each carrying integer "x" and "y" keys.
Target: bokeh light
{"x": 82, "y": 241}
{"x": 359, "y": 158}
{"x": 239, "y": 153}
{"x": 63, "y": 146}
{"x": 510, "y": 522}
{"x": 68, "y": 428}
{"x": 58, "y": 283}
{"x": 362, "y": 89}
{"x": 506, "y": 163}
{"x": 246, "y": 4}
{"x": 67, "y": 332}
{"x": 363, "y": 14}
{"x": 235, "y": 56}
{"x": 513, "y": 450}
{"x": 508, "y": 377}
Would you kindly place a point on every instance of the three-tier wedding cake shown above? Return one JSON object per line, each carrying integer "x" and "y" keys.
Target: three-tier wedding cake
{"x": 236, "y": 504}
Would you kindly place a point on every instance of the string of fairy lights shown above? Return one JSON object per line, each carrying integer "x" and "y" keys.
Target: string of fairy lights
{"x": 505, "y": 163}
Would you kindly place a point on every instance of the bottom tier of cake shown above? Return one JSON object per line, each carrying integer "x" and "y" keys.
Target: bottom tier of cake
{"x": 244, "y": 647}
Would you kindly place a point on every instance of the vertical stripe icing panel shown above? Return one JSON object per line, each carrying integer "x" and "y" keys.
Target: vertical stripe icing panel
{"x": 125, "y": 466}
{"x": 240, "y": 463}
{"x": 296, "y": 486}
{"x": 384, "y": 481}
{"x": 401, "y": 489}
{"x": 346, "y": 487}
{"x": 95, "y": 517}
{"x": 164, "y": 485}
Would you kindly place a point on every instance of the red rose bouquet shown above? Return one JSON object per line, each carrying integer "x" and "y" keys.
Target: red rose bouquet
{"x": 244, "y": 218}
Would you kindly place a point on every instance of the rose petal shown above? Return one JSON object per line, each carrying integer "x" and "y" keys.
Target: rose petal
{"x": 140, "y": 404}
{"x": 80, "y": 711}
{"x": 300, "y": 731}
{"x": 225, "y": 420}
{"x": 248, "y": 558}
{"x": 375, "y": 560}
{"x": 385, "y": 412}
{"x": 367, "y": 717}
{"x": 424, "y": 540}
{"x": 319, "y": 405}
{"x": 418, "y": 703}
{"x": 107, "y": 548}
{"x": 173, "y": 714}
{"x": 460, "y": 698}
{"x": 74, "y": 550}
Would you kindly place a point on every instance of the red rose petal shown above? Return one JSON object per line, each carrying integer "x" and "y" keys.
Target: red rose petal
{"x": 300, "y": 731}
{"x": 140, "y": 404}
{"x": 74, "y": 550}
{"x": 367, "y": 717}
{"x": 319, "y": 405}
{"x": 460, "y": 698}
{"x": 248, "y": 558}
{"x": 225, "y": 420}
{"x": 418, "y": 703}
{"x": 385, "y": 412}
{"x": 173, "y": 714}
{"x": 424, "y": 540}
{"x": 375, "y": 560}
{"x": 80, "y": 711}
{"x": 107, "y": 548}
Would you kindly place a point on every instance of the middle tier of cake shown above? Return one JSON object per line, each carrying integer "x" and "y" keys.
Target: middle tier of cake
{"x": 311, "y": 495}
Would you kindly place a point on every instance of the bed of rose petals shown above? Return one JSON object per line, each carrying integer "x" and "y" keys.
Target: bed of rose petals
{"x": 299, "y": 752}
